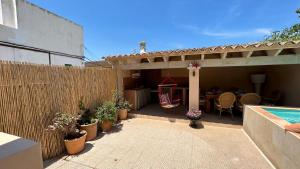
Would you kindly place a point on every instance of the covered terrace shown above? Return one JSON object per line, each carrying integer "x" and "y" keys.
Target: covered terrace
{"x": 221, "y": 69}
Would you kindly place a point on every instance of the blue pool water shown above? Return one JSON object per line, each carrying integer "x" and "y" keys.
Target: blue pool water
{"x": 290, "y": 115}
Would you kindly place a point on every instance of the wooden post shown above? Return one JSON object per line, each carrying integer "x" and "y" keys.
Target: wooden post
{"x": 120, "y": 86}
{"x": 193, "y": 87}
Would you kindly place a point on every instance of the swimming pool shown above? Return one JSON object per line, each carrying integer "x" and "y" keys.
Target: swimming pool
{"x": 290, "y": 115}
{"x": 265, "y": 126}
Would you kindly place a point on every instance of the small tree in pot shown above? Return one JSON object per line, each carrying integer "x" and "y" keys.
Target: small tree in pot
{"x": 106, "y": 115}
{"x": 88, "y": 121}
{"x": 123, "y": 106}
{"x": 73, "y": 138}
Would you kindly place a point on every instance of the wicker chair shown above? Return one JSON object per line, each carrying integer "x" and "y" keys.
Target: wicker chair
{"x": 248, "y": 99}
{"x": 225, "y": 102}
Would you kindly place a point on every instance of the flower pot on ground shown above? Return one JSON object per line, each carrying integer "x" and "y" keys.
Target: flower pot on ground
{"x": 106, "y": 114}
{"x": 88, "y": 122}
{"x": 194, "y": 116}
{"x": 122, "y": 114}
{"x": 91, "y": 130}
{"x": 122, "y": 105}
{"x": 76, "y": 144}
{"x": 106, "y": 125}
{"x": 73, "y": 138}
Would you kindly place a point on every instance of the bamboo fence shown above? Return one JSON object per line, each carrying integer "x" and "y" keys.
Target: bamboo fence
{"x": 30, "y": 95}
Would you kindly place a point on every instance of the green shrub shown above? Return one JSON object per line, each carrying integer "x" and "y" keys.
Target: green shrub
{"x": 124, "y": 104}
{"x": 87, "y": 116}
{"x": 120, "y": 102}
{"x": 65, "y": 123}
{"x": 107, "y": 112}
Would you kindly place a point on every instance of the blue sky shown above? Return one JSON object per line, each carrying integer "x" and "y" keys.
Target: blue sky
{"x": 117, "y": 26}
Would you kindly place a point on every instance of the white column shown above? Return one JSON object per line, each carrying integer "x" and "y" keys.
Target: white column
{"x": 193, "y": 87}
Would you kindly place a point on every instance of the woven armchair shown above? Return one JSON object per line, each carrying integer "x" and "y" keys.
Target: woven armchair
{"x": 249, "y": 99}
{"x": 225, "y": 102}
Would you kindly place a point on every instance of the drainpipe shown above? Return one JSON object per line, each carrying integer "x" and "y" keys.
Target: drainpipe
{"x": 49, "y": 58}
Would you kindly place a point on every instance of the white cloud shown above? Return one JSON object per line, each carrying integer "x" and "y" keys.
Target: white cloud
{"x": 228, "y": 34}
{"x": 265, "y": 31}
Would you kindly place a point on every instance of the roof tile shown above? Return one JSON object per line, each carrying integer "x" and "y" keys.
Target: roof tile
{"x": 214, "y": 49}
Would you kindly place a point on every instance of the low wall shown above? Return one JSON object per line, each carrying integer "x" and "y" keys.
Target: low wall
{"x": 16, "y": 152}
{"x": 266, "y": 130}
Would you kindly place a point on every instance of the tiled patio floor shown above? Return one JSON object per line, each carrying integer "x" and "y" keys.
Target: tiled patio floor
{"x": 154, "y": 111}
{"x": 144, "y": 143}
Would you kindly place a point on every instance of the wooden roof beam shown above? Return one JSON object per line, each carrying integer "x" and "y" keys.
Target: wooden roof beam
{"x": 150, "y": 60}
{"x": 247, "y": 54}
{"x": 202, "y": 56}
{"x": 121, "y": 62}
{"x": 224, "y": 55}
{"x": 133, "y": 61}
{"x": 274, "y": 52}
{"x": 182, "y": 57}
{"x": 166, "y": 58}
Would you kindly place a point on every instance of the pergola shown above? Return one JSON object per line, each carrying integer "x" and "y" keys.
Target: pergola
{"x": 271, "y": 53}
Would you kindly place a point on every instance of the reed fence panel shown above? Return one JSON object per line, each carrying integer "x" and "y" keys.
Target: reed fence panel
{"x": 30, "y": 95}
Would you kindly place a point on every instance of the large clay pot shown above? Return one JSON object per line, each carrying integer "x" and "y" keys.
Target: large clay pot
{"x": 91, "y": 130}
{"x": 122, "y": 114}
{"x": 76, "y": 145}
{"x": 106, "y": 125}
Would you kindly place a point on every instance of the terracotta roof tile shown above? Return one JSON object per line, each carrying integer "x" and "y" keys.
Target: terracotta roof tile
{"x": 213, "y": 49}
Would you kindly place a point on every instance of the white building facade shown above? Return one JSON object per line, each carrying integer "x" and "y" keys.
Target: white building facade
{"x": 31, "y": 34}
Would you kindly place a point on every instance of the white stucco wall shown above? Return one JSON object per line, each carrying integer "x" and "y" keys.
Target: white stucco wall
{"x": 56, "y": 60}
{"x": 41, "y": 29}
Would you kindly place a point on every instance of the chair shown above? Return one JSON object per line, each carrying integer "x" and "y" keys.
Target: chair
{"x": 225, "y": 102}
{"x": 248, "y": 99}
{"x": 273, "y": 99}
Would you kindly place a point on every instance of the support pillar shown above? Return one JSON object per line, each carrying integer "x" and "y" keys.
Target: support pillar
{"x": 120, "y": 85}
{"x": 193, "y": 87}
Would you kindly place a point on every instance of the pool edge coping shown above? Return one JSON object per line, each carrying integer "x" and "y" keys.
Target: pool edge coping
{"x": 273, "y": 118}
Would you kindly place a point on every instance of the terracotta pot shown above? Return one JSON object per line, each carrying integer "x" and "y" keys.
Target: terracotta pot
{"x": 91, "y": 130}
{"x": 123, "y": 114}
{"x": 106, "y": 125}
{"x": 76, "y": 145}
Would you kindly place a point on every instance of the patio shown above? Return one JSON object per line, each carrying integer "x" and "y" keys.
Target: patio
{"x": 154, "y": 111}
{"x": 145, "y": 143}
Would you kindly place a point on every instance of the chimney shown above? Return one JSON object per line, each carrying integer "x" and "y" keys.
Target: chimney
{"x": 143, "y": 47}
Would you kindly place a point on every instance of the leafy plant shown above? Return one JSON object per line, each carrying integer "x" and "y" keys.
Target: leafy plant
{"x": 81, "y": 104}
{"x": 116, "y": 97}
{"x": 291, "y": 33}
{"x": 124, "y": 104}
{"x": 107, "y": 111}
{"x": 86, "y": 115}
{"x": 120, "y": 102}
{"x": 65, "y": 123}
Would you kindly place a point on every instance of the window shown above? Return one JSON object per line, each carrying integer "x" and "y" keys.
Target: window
{"x": 68, "y": 65}
{"x": 8, "y": 13}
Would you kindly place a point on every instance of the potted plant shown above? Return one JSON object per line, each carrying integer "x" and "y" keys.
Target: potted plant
{"x": 106, "y": 115}
{"x": 123, "y": 106}
{"x": 194, "y": 116}
{"x": 73, "y": 138}
{"x": 87, "y": 121}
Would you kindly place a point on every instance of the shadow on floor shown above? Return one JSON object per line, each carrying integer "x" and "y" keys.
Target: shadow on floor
{"x": 51, "y": 161}
{"x": 178, "y": 113}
